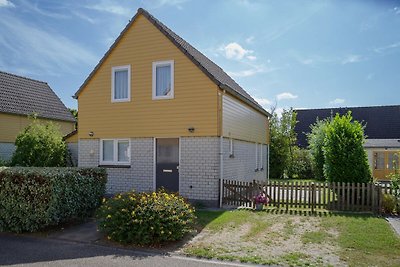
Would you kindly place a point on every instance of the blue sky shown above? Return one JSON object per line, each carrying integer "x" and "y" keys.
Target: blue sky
{"x": 302, "y": 54}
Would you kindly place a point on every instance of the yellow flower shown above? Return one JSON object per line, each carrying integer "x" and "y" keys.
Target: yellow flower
{"x": 108, "y": 216}
{"x": 162, "y": 232}
{"x": 104, "y": 199}
{"x": 109, "y": 237}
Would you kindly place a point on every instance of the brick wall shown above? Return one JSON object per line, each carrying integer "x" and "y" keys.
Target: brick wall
{"x": 199, "y": 169}
{"x": 242, "y": 165}
{"x": 6, "y": 150}
{"x": 139, "y": 175}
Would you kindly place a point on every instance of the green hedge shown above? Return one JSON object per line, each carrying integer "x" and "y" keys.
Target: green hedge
{"x": 34, "y": 198}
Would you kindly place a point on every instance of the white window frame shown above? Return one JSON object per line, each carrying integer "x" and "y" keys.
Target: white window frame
{"x": 154, "y": 85}
{"x": 113, "y": 70}
{"x": 115, "y": 147}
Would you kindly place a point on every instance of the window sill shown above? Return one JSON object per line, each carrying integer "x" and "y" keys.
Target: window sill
{"x": 114, "y": 166}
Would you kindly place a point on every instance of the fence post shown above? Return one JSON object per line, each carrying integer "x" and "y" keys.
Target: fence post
{"x": 378, "y": 187}
{"x": 312, "y": 197}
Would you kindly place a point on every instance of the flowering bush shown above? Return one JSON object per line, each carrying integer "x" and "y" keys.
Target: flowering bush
{"x": 145, "y": 218}
{"x": 261, "y": 198}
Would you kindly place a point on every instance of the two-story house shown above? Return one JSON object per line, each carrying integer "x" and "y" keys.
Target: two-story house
{"x": 156, "y": 112}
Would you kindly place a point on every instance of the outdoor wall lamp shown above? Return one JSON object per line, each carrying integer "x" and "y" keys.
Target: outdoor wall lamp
{"x": 91, "y": 134}
{"x": 191, "y": 129}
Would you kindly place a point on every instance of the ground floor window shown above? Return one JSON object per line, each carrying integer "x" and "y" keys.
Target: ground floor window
{"x": 115, "y": 151}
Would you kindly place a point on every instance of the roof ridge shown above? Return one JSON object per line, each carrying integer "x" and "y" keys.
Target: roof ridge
{"x": 23, "y": 77}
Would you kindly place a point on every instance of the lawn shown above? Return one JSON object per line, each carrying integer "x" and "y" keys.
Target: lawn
{"x": 269, "y": 237}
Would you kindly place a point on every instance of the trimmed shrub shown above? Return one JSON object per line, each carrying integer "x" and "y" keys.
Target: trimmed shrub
{"x": 40, "y": 145}
{"x": 345, "y": 157}
{"x": 35, "y": 198}
{"x": 145, "y": 218}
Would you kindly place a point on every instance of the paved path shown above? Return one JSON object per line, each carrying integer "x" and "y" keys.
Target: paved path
{"x": 395, "y": 223}
{"x": 35, "y": 251}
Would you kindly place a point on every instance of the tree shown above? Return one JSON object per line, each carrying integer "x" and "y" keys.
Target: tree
{"x": 316, "y": 142}
{"x": 283, "y": 139}
{"x": 40, "y": 145}
{"x": 344, "y": 154}
{"x": 74, "y": 113}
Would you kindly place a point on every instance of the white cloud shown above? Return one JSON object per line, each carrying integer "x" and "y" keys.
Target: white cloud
{"x": 265, "y": 102}
{"x": 111, "y": 7}
{"x": 352, "y": 59}
{"x": 47, "y": 52}
{"x": 252, "y": 58}
{"x": 235, "y": 51}
{"x": 337, "y": 101}
{"x": 249, "y": 40}
{"x": 396, "y": 10}
{"x": 286, "y": 95}
{"x": 162, "y": 3}
{"x": 387, "y": 47}
{"x": 6, "y": 3}
{"x": 253, "y": 70}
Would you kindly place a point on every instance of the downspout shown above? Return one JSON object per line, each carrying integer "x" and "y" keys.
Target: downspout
{"x": 267, "y": 162}
{"x": 221, "y": 168}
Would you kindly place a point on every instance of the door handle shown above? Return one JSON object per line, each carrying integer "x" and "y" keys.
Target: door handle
{"x": 167, "y": 170}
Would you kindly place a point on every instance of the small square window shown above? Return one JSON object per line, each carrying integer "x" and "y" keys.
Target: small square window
{"x": 121, "y": 84}
{"x": 163, "y": 79}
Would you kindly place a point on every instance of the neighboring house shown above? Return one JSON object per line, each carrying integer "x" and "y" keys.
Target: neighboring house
{"x": 158, "y": 113}
{"x": 21, "y": 97}
{"x": 382, "y": 128}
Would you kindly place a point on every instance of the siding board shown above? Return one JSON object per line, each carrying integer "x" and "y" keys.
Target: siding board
{"x": 240, "y": 121}
{"x": 195, "y": 103}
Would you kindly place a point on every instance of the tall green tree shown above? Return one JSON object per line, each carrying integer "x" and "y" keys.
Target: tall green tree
{"x": 283, "y": 140}
{"x": 345, "y": 157}
{"x": 316, "y": 143}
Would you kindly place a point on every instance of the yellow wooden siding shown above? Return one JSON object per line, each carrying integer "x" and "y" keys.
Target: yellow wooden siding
{"x": 195, "y": 103}
{"x": 11, "y": 125}
{"x": 240, "y": 121}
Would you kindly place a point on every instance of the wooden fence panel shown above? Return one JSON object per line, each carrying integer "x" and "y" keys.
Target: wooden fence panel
{"x": 305, "y": 195}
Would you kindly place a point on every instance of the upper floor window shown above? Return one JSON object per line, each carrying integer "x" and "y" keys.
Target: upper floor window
{"x": 121, "y": 84}
{"x": 163, "y": 79}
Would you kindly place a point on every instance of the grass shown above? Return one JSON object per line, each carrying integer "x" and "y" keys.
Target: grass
{"x": 330, "y": 239}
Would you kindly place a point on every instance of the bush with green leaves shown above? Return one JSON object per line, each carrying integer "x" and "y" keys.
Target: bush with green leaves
{"x": 345, "y": 157}
{"x": 35, "y": 198}
{"x": 301, "y": 164}
{"x": 395, "y": 185}
{"x": 40, "y": 145}
{"x": 282, "y": 147}
{"x": 145, "y": 218}
{"x": 316, "y": 143}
